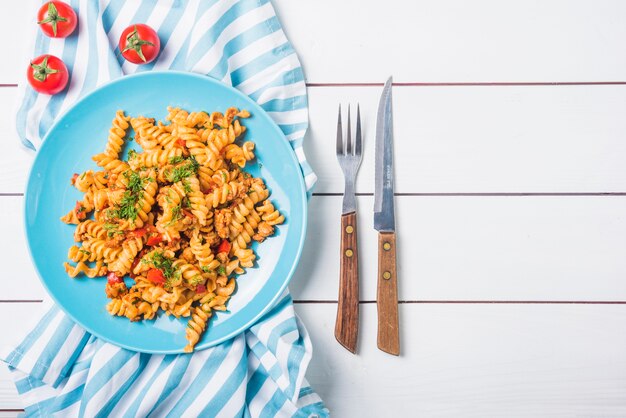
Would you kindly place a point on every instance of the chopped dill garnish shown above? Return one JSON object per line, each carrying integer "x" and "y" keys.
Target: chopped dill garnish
{"x": 132, "y": 154}
{"x": 135, "y": 182}
{"x": 186, "y": 186}
{"x": 176, "y": 159}
{"x": 183, "y": 170}
{"x": 127, "y": 208}
{"x": 196, "y": 280}
{"x": 112, "y": 229}
{"x": 221, "y": 270}
{"x": 166, "y": 265}
{"x": 177, "y": 214}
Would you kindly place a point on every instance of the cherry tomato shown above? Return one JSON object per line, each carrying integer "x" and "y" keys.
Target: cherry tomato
{"x": 224, "y": 247}
{"x": 47, "y": 74}
{"x": 156, "y": 276}
{"x": 154, "y": 240}
{"x": 139, "y": 44}
{"x": 57, "y": 19}
{"x": 113, "y": 278}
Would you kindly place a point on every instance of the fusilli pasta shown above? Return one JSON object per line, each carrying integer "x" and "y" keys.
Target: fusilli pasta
{"x": 177, "y": 217}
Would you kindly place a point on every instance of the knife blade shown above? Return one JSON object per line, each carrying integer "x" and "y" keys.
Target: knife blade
{"x": 384, "y": 223}
{"x": 384, "y": 217}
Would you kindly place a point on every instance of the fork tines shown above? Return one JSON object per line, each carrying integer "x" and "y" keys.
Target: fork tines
{"x": 351, "y": 146}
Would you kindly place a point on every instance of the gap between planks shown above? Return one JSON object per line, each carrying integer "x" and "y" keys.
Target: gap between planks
{"x": 456, "y": 84}
{"x": 432, "y": 302}
{"x": 453, "y": 194}
{"x": 476, "y": 84}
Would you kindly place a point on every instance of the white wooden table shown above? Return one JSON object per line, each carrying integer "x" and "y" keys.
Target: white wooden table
{"x": 510, "y": 127}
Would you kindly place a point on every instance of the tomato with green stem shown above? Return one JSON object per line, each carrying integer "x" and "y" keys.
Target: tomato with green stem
{"x": 57, "y": 19}
{"x": 47, "y": 74}
{"x": 139, "y": 44}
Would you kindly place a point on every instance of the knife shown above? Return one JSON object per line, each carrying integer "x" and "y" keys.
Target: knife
{"x": 385, "y": 224}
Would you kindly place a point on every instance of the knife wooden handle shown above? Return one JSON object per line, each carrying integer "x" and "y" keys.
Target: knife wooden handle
{"x": 347, "y": 324}
{"x": 387, "y": 297}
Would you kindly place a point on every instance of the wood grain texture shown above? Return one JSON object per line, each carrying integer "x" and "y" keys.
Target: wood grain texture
{"x": 482, "y": 139}
{"x": 472, "y": 361}
{"x": 453, "y": 40}
{"x": 460, "y": 248}
{"x": 387, "y": 295}
{"x": 448, "y": 40}
{"x": 458, "y": 360}
{"x": 347, "y": 323}
{"x": 450, "y": 140}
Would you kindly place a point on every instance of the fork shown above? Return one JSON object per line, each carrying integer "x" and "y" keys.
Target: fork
{"x": 349, "y": 155}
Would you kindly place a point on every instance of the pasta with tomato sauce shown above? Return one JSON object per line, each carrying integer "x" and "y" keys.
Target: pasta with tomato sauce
{"x": 176, "y": 219}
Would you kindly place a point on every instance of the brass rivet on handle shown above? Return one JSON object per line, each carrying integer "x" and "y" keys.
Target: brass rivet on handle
{"x": 386, "y": 246}
{"x": 349, "y": 229}
{"x": 349, "y": 253}
{"x": 386, "y": 275}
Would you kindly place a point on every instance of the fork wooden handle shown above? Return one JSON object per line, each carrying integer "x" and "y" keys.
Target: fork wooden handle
{"x": 347, "y": 324}
{"x": 387, "y": 297}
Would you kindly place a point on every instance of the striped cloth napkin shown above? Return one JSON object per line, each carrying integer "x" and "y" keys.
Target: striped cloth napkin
{"x": 59, "y": 368}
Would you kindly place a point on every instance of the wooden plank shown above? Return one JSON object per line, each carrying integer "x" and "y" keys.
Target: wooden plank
{"x": 452, "y": 140}
{"x": 460, "y": 360}
{"x": 428, "y": 41}
{"x": 453, "y": 40}
{"x": 482, "y": 139}
{"x": 18, "y": 33}
{"x": 15, "y": 159}
{"x": 449, "y": 248}
{"x": 478, "y": 248}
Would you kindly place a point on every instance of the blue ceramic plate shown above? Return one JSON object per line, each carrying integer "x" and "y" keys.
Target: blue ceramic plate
{"x": 82, "y": 132}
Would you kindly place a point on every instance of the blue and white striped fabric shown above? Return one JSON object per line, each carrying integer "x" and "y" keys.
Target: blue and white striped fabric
{"x": 59, "y": 368}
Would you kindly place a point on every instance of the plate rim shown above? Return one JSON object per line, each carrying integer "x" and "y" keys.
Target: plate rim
{"x": 301, "y": 185}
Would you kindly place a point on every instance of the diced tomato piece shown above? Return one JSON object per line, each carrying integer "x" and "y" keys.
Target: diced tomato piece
{"x": 80, "y": 210}
{"x": 187, "y": 213}
{"x": 156, "y": 276}
{"x": 154, "y": 239}
{"x": 200, "y": 288}
{"x": 224, "y": 247}
{"x": 113, "y": 278}
{"x": 74, "y": 177}
{"x": 140, "y": 232}
{"x": 181, "y": 142}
